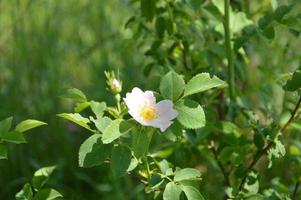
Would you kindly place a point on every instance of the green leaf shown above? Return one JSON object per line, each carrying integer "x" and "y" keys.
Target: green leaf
{"x": 121, "y": 159}
{"x": 26, "y": 193}
{"x": 202, "y": 82}
{"x": 98, "y": 108}
{"x": 3, "y": 151}
{"x": 169, "y": 26}
{"x": 75, "y": 94}
{"x": 5, "y": 125}
{"x": 192, "y": 193}
{"x": 102, "y": 123}
{"x": 220, "y": 5}
{"x": 141, "y": 141}
{"x": 28, "y": 124}
{"x": 160, "y": 27}
{"x": 259, "y": 140}
{"x": 190, "y": 114}
{"x": 81, "y": 106}
{"x": 277, "y": 151}
{"x": 112, "y": 132}
{"x": 238, "y": 21}
{"x": 226, "y": 153}
{"x": 172, "y": 191}
{"x": 252, "y": 185}
{"x": 281, "y": 11}
{"x": 187, "y": 174}
{"x": 47, "y": 194}
{"x": 148, "y": 9}
{"x": 274, "y": 4}
{"x": 172, "y": 86}
{"x": 134, "y": 163}
{"x": 93, "y": 152}
{"x": 77, "y": 118}
{"x": 45, "y": 171}
{"x": 295, "y": 82}
{"x": 14, "y": 137}
{"x": 41, "y": 176}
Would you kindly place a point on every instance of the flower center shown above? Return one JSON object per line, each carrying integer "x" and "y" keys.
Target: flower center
{"x": 148, "y": 113}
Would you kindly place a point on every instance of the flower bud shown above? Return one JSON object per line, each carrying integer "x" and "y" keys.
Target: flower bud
{"x": 115, "y": 85}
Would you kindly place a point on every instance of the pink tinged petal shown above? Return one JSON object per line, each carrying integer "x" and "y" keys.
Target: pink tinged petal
{"x": 162, "y": 125}
{"x": 166, "y": 111}
{"x": 149, "y": 98}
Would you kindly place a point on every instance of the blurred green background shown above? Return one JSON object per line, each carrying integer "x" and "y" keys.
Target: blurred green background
{"x": 47, "y": 46}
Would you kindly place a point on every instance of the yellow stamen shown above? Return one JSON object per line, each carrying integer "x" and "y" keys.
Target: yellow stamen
{"x": 148, "y": 113}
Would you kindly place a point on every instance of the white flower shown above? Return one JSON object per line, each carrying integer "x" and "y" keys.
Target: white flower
{"x": 143, "y": 108}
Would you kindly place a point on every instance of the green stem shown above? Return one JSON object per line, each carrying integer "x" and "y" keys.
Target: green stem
{"x": 147, "y": 167}
{"x": 231, "y": 80}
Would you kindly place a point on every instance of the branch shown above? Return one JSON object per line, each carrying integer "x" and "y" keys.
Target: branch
{"x": 269, "y": 145}
{"x": 220, "y": 165}
{"x": 294, "y": 114}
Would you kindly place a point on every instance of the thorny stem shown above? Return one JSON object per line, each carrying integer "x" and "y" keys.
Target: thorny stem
{"x": 231, "y": 79}
{"x": 269, "y": 145}
{"x": 220, "y": 165}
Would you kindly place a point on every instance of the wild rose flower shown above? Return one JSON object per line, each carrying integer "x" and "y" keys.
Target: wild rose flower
{"x": 144, "y": 109}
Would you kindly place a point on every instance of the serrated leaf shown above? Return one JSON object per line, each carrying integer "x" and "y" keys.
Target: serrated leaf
{"x": 141, "y": 141}
{"x": 112, "y": 132}
{"x": 121, "y": 159}
{"x": 26, "y": 193}
{"x": 172, "y": 191}
{"x": 78, "y": 119}
{"x": 172, "y": 86}
{"x": 98, "y": 108}
{"x": 190, "y": 114}
{"x": 41, "y": 176}
{"x": 14, "y": 137}
{"x": 294, "y": 83}
{"x": 5, "y": 125}
{"x": 187, "y": 174}
{"x": 93, "y": 152}
{"x": 3, "y": 151}
{"x": 202, "y": 82}
{"x": 47, "y": 194}
{"x": 192, "y": 193}
{"x": 28, "y": 124}
{"x": 74, "y": 94}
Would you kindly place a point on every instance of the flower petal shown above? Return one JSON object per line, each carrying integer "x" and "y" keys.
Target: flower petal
{"x": 163, "y": 125}
{"x": 137, "y": 99}
{"x": 134, "y": 100}
{"x": 166, "y": 111}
